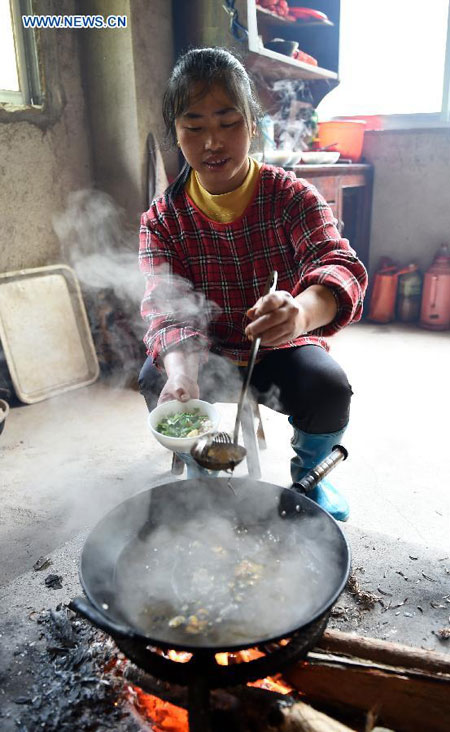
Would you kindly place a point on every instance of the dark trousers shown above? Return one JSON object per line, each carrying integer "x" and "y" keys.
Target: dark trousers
{"x": 304, "y": 382}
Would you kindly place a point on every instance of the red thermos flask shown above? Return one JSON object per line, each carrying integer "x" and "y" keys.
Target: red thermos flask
{"x": 384, "y": 292}
{"x": 435, "y": 309}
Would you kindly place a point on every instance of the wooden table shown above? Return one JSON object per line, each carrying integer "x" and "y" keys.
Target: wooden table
{"x": 348, "y": 190}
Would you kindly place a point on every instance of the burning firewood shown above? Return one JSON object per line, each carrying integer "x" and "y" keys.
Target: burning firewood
{"x": 300, "y": 717}
{"x": 245, "y": 708}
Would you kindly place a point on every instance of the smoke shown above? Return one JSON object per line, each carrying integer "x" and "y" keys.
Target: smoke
{"x": 104, "y": 254}
{"x": 176, "y": 298}
{"x": 291, "y": 109}
{"x": 95, "y": 242}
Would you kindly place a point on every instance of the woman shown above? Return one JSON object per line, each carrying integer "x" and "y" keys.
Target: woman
{"x": 218, "y": 231}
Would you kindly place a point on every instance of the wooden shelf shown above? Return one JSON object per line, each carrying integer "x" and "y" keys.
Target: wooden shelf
{"x": 204, "y": 23}
{"x": 274, "y": 66}
{"x": 270, "y": 64}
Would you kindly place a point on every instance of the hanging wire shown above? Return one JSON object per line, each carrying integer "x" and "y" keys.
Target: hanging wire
{"x": 237, "y": 30}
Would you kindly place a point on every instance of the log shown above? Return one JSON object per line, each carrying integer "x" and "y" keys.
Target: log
{"x": 408, "y": 702}
{"x": 300, "y": 717}
{"x": 384, "y": 652}
{"x": 171, "y": 693}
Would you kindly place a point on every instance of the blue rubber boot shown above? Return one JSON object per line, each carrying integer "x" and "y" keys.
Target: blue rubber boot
{"x": 310, "y": 450}
{"x": 193, "y": 469}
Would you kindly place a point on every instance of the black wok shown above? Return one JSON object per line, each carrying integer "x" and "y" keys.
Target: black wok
{"x": 251, "y": 565}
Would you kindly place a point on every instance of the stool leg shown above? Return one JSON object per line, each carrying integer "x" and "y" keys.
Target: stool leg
{"x": 259, "y": 429}
{"x": 250, "y": 442}
{"x": 177, "y": 465}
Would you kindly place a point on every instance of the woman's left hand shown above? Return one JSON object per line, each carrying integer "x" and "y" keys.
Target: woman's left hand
{"x": 276, "y": 318}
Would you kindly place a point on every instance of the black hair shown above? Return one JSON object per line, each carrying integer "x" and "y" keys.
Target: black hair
{"x": 208, "y": 67}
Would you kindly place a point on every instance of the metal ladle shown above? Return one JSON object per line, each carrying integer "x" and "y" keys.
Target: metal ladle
{"x": 217, "y": 451}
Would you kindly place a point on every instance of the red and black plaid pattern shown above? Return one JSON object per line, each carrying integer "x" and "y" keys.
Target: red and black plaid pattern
{"x": 202, "y": 276}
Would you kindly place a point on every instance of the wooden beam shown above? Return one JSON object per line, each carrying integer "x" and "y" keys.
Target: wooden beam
{"x": 391, "y": 654}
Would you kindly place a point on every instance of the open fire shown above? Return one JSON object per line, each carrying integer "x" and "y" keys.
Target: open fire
{"x": 166, "y": 717}
{"x": 163, "y": 716}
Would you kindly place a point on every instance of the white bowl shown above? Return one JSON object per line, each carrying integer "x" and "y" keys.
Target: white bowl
{"x": 181, "y": 444}
{"x": 278, "y": 157}
{"x": 320, "y": 158}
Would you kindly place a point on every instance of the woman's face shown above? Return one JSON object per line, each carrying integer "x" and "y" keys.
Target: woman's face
{"x": 215, "y": 141}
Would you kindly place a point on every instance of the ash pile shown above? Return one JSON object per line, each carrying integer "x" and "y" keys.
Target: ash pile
{"x": 77, "y": 682}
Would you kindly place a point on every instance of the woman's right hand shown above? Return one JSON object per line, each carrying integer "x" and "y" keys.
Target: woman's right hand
{"x": 180, "y": 387}
{"x": 182, "y": 373}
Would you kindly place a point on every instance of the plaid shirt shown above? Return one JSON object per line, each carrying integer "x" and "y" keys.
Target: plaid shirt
{"x": 202, "y": 276}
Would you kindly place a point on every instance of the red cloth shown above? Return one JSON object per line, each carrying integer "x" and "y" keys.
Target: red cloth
{"x": 202, "y": 276}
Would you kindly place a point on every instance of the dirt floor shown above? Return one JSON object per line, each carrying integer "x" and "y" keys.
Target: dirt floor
{"x": 67, "y": 460}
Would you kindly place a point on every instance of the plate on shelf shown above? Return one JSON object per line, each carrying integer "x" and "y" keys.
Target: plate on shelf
{"x": 315, "y": 157}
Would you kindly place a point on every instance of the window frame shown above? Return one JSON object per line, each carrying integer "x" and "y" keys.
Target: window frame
{"x": 27, "y": 61}
{"x": 46, "y": 99}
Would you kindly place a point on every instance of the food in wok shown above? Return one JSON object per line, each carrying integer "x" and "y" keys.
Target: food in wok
{"x": 217, "y": 579}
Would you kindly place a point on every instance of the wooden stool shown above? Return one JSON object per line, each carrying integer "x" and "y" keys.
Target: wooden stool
{"x": 253, "y": 441}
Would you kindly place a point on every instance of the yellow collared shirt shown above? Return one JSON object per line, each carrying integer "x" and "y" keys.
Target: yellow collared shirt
{"x": 224, "y": 207}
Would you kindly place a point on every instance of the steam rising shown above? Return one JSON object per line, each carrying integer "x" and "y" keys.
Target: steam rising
{"x": 176, "y": 297}
{"x": 97, "y": 245}
{"x": 104, "y": 255}
{"x": 291, "y": 112}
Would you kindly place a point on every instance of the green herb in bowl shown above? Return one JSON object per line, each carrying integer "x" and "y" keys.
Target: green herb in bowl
{"x": 184, "y": 424}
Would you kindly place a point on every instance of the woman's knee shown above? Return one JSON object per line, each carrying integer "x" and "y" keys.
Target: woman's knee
{"x": 330, "y": 402}
{"x": 333, "y": 387}
{"x": 322, "y": 398}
